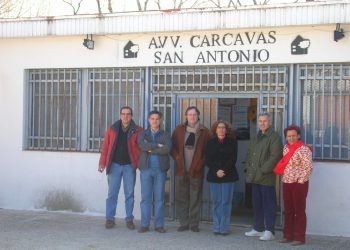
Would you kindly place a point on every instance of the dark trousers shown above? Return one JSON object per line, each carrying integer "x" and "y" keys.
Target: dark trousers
{"x": 294, "y": 200}
{"x": 264, "y": 207}
{"x": 188, "y": 193}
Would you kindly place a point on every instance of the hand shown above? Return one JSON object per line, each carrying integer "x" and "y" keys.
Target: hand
{"x": 220, "y": 173}
{"x": 101, "y": 168}
{"x": 160, "y": 145}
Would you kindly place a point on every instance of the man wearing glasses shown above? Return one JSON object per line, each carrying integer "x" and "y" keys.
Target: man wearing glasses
{"x": 119, "y": 156}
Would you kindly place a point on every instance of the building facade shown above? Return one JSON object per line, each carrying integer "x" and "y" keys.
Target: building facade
{"x": 58, "y": 97}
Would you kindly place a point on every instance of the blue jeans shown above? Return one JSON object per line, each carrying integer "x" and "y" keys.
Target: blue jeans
{"x": 152, "y": 183}
{"x": 221, "y": 196}
{"x": 116, "y": 173}
{"x": 264, "y": 207}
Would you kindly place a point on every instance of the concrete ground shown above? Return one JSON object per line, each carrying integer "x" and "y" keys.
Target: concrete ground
{"x": 55, "y": 230}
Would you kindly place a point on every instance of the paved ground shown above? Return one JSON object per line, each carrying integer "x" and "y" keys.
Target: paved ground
{"x": 54, "y": 230}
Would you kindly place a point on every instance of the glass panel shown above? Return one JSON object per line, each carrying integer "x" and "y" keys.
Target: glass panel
{"x": 325, "y": 111}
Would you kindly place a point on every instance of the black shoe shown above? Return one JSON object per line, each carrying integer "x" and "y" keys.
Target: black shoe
{"x": 225, "y": 234}
{"x": 130, "y": 225}
{"x": 183, "y": 228}
{"x": 109, "y": 224}
{"x": 143, "y": 230}
{"x": 160, "y": 230}
{"x": 216, "y": 233}
{"x": 195, "y": 229}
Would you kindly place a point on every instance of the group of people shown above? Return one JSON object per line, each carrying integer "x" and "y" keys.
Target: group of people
{"x": 127, "y": 147}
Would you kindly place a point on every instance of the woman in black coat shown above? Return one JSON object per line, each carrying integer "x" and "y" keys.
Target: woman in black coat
{"x": 221, "y": 155}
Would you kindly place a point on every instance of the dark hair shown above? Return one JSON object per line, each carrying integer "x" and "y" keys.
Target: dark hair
{"x": 229, "y": 131}
{"x": 193, "y": 107}
{"x": 126, "y": 107}
{"x": 155, "y": 112}
{"x": 190, "y": 108}
{"x": 292, "y": 127}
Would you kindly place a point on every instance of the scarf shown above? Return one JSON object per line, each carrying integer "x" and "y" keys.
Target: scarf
{"x": 191, "y": 139}
{"x": 282, "y": 164}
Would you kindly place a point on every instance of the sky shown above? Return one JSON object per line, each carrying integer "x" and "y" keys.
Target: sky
{"x": 59, "y": 8}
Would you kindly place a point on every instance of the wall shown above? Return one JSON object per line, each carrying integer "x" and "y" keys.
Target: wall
{"x": 328, "y": 202}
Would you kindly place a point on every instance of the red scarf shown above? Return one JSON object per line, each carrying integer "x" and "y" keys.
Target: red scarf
{"x": 282, "y": 164}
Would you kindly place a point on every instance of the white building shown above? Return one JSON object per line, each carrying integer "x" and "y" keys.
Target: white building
{"x": 57, "y": 97}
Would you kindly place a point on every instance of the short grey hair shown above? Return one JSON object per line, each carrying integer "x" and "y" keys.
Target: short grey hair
{"x": 268, "y": 115}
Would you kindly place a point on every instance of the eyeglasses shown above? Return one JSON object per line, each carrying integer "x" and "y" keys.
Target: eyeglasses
{"x": 125, "y": 114}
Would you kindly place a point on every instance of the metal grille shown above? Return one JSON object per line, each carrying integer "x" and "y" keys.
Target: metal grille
{"x": 54, "y": 109}
{"x": 220, "y": 79}
{"x": 325, "y": 109}
{"x": 268, "y": 82}
{"x": 109, "y": 90}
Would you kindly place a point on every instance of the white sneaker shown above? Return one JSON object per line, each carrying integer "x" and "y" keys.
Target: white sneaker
{"x": 267, "y": 236}
{"x": 254, "y": 233}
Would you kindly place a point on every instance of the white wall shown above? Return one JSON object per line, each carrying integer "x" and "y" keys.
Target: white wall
{"x": 328, "y": 203}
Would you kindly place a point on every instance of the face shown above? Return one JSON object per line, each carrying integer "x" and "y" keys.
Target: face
{"x": 125, "y": 116}
{"x": 292, "y": 137}
{"x": 154, "y": 121}
{"x": 221, "y": 130}
{"x": 192, "y": 116}
{"x": 264, "y": 123}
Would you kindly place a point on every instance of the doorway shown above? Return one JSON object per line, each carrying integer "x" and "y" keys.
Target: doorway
{"x": 241, "y": 113}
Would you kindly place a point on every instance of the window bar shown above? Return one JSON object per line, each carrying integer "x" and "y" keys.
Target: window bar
{"x": 64, "y": 110}
{"x": 200, "y": 78}
{"x": 253, "y": 79}
{"x": 113, "y": 96}
{"x": 261, "y": 78}
{"x": 245, "y": 78}
{"x": 99, "y": 109}
{"x": 126, "y": 86}
{"x": 216, "y": 79}
{"x": 120, "y": 90}
{"x": 308, "y": 96}
{"x": 45, "y": 114}
{"x": 58, "y": 109}
{"x": 133, "y": 89}
{"x": 51, "y": 110}
{"x": 237, "y": 80}
{"x": 230, "y": 79}
{"x": 314, "y": 106}
{"x": 323, "y": 107}
{"x": 186, "y": 80}
{"x": 269, "y": 83}
{"x": 331, "y": 109}
{"x": 223, "y": 79}
{"x": 70, "y": 109}
{"x": 193, "y": 84}
{"x": 33, "y": 109}
{"x": 78, "y": 94}
{"x": 277, "y": 79}
{"x": 92, "y": 122}
{"x": 39, "y": 112}
{"x": 102, "y": 128}
{"x": 340, "y": 113}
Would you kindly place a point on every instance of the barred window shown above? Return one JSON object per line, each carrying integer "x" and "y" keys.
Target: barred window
{"x": 109, "y": 90}
{"x": 325, "y": 109}
{"x": 54, "y": 109}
